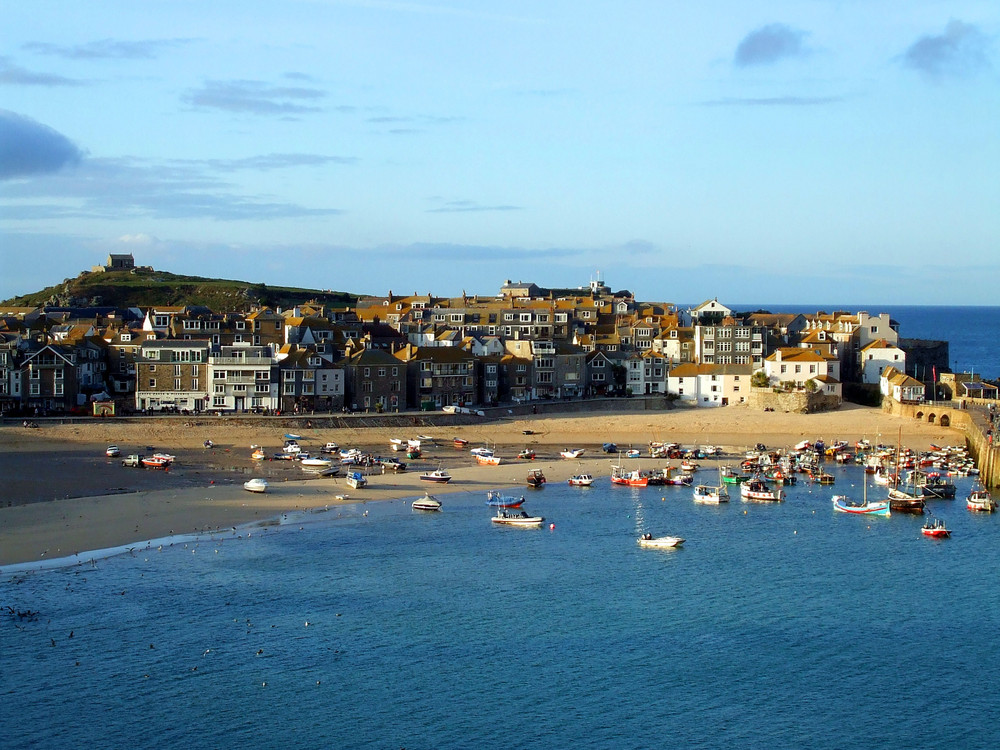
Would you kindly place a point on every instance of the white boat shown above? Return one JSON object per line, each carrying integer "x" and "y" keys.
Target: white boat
{"x": 316, "y": 463}
{"x": 979, "y": 499}
{"x": 580, "y": 480}
{"x": 255, "y": 485}
{"x": 439, "y": 476}
{"x": 757, "y": 489}
{"x": 571, "y": 453}
{"x": 516, "y": 518}
{"x": 292, "y": 447}
{"x": 169, "y": 458}
{"x": 710, "y": 494}
{"x": 487, "y": 459}
{"x": 427, "y": 502}
{"x": 356, "y": 480}
{"x": 660, "y": 542}
{"x": 330, "y": 448}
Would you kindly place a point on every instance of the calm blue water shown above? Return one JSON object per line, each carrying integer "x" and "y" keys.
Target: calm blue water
{"x": 777, "y": 626}
{"x": 971, "y": 332}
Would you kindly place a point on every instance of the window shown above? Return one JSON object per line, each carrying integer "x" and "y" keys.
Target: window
{"x": 36, "y": 389}
{"x": 152, "y": 382}
{"x": 177, "y": 384}
{"x": 194, "y": 384}
{"x": 177, "y": 370}
{"x": 152, "y": 368}
{"x": 395, "y": 372}
{"x": 367, "y": 372}
{"x": 381, "y": 372}
{"x": 218, "y": 400}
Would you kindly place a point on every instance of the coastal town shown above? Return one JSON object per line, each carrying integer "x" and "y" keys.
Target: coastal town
{"x": 400, "y": 352}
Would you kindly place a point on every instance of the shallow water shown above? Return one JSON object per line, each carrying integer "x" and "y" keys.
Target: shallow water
{"x": 781, "y": 625}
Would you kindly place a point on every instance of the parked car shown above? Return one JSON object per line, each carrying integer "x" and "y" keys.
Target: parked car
{"x": 132, "y": 460}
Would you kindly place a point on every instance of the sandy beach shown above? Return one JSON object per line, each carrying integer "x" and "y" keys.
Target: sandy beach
{"x": 62, "y": 497}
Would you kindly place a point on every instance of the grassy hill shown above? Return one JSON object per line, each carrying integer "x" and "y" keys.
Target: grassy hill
{"x": 148, "y": 288}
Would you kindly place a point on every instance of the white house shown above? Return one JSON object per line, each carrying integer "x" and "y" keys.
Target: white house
{"x": 899, "y": 386}
{"x": 876, "y": 357}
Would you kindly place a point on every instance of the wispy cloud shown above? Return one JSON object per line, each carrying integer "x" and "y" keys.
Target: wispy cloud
{"x": 108, "y": 49}
{"x": 15, "y": 75}
{"x": 962, "y": 49}
{"x": 268, "y": 162}
{"x": 769, "y": 44}
{"x": 255, "y": 97}
{"x": 467, "y": 206}
{"x": 774, "y": 101}
{"x": 28, "y": 147}
{"x": 131, "y": 188}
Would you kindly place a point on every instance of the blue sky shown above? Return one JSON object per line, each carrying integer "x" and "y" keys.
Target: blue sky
{"x": 806, "y": 152}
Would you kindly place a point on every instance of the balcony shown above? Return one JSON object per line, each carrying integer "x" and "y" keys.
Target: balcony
{"x": 268, "y": 361}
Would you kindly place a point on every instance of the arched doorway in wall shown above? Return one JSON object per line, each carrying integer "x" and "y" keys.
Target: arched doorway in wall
{"x": 931, "y": 418}
{"x": 945, "y": 421}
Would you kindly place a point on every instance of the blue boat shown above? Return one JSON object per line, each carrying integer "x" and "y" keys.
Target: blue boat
{"x": 865, "y": 508}
{"x": 499, "y": 500}
{"x": 290, "y": 436}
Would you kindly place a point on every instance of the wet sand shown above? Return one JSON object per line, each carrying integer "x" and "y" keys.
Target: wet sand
{"x": 62, "y": 496}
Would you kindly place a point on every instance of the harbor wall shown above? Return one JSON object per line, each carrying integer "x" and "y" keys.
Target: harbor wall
{"x": 970, "y": 420}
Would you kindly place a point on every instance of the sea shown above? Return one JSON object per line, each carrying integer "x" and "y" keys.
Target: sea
{"x": 782, "y": 625}
{"x": 970, "y": 331}
{"x": 371, "y": 625}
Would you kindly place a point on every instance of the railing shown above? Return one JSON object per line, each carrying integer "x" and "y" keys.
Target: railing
{"x": 241, "y": 361}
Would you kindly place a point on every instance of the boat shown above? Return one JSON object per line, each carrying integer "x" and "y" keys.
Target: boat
{"x": 112, "y": 451}
{"x": 527, "y": 453}
{"x": 413, "y": 452}
{"x": 632, "y": 453}
{"x": 330, "y": 448}
{"x": 571, "y": 453}
{"x": 536, "y": 478}
{"x": 580, "y": 480}
{"x": 821, "y": 477}
{"x": 396, "y": 444}
{"x": 459, "y": 442}
{"x": 316, "y": 463}
{"x": 487, "y": 459}
{"x": 757, "y": 490}
{"x": 865, "y": 508}
{"x": 292, "y": 447}
{"x": 499, "y": 500}
{"x": 901, "y": 501}
{"x": 979, "y": 499}
{"x": 292, "y": 436}
{"x": 711, "y": 494}
{"x": 255, "y": 485}
{"x": 427, "y": 502}
{"x": 731, "y": 476}
{"x": 258, "y": 454}
{"x": 689, "y": 466}
{"x": 933, "y": 484}
{"x": 935, "y": 529}
{"x": 154, "y": 462}
{"x": 660, "y": 542}
{"x": 439, "y": 476}
{"x": 356, "y": 480}
{"x": 518, "y": 519}
{"x": 484, "y": 451}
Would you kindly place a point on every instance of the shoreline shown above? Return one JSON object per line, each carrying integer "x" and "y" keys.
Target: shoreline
{"x": 90, "y": 503}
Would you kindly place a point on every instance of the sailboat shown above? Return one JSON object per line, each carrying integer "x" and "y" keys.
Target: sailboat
{"x": 901, "y": 500}
{"x": 843, "y": 504}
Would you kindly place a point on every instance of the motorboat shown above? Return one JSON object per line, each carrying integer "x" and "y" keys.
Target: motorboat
{"x": 979, "y": 499}
{"x": 316, "y": 462}
{"x": 427, "y": 502}
{"x": 484, "y": 451}
{"x": 571, "y": 453}
{"x": 112, "y": 451}
{"x": 489, "y": 459}
{"x": 499, "y": 500}
{"x": 580, "y": 480}
{"x": 168, "y": 457}
{"x": 330, "y": 448}
{"x": 660, "y": 542}
{"x": 633, "y": 453}
{"x": 711, "y": 495}
{"x": 731, "y": 476}
{"x": 535, "y": 478}
{"x": 255, "y": 485}
{"x": 291, "y": 447}
{"x": 935, "y": 529}
{"x": 519, "y": 519}
{"x": 154, "y": 462}
{"x": 459, "y": 442}
{"x": 258, "y": 454}
{"x": 527, "y": 453}
{"x": 440, "y": 476}
{"x": 757, "y": 490}
{"x": 843, "y": 504}
{"x": 292, "y": 436}
{"x": 689, "y": 466}
{"x": 633, "y": 478}
{"x": 356, "y": 480}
